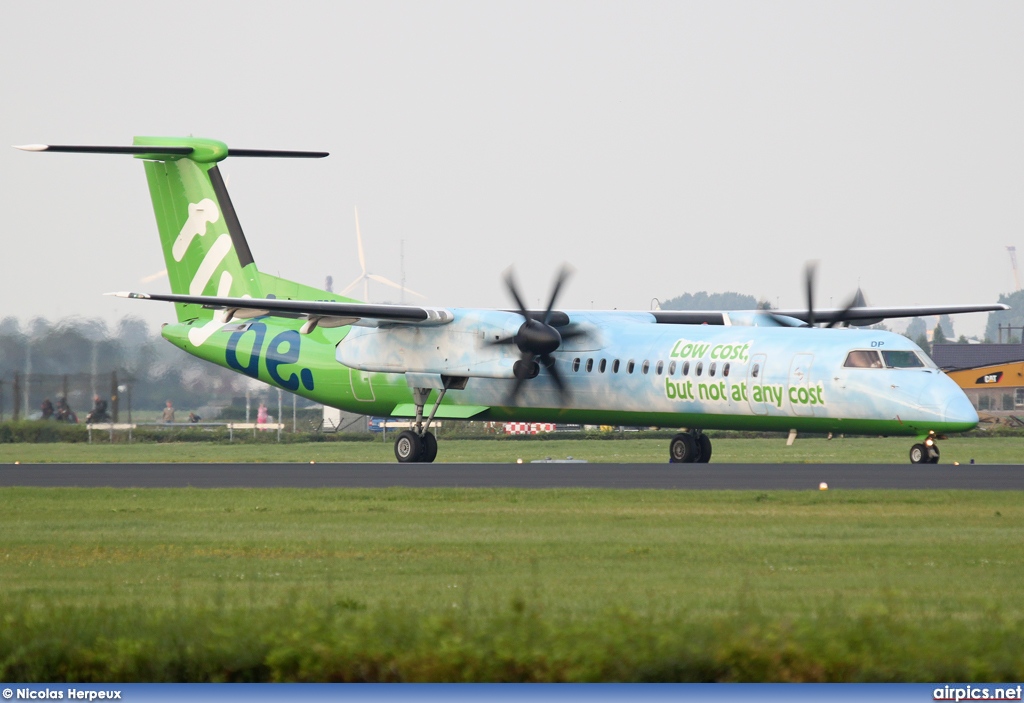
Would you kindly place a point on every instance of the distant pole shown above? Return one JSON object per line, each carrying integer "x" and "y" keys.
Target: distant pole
{"x": 1, "y": 400}
{"x": 17, "y": 397}
{"x": 28, "y": 374}
{"x": 294, "y": 398}
{"x": 278, "y": 414}
{"x": 129, "y": 384}
{"x": 113, "y": 396}
{"x": 95, "y": 362}
{"x": 247, "y": 403}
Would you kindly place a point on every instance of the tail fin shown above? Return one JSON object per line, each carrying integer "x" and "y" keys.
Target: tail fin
{"x": 204, "y": 248}
{"x": 202, "y": 240}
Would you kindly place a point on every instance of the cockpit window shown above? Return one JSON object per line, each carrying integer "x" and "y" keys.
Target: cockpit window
{"x": 863, "y": 359}
{"x": 902, "y": 360}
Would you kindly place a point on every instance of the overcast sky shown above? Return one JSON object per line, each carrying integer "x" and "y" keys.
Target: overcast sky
{"x": 657, "y": 147}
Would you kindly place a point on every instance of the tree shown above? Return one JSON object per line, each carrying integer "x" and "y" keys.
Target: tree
{"x": 946, "y": 324}
{"x": 703, "y": 300}
{"x": 922, "y": 341}
{"x": 917, "y": 328}
{"x": 1013, "y": 317}
{"x": 937, "y": 336}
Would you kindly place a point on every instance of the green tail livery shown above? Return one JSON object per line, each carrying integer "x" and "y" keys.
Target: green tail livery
{"x": 784, "y": 370}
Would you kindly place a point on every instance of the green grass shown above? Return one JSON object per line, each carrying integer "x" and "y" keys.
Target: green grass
{"x": 984, "y": 450}
{"x": 506, "y": 584}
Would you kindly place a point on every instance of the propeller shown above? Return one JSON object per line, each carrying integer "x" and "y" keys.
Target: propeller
{"x": 842, "y": 319}
{"x": 537, "y": 338}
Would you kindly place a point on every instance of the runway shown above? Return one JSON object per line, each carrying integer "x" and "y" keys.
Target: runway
{"x": 616, "y": 476}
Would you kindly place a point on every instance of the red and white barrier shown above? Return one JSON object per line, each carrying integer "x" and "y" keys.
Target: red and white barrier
{"x": 528, "y": 427}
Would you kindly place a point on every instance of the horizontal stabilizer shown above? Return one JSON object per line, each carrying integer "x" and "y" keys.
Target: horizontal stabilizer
{"x": 141, "y": 149}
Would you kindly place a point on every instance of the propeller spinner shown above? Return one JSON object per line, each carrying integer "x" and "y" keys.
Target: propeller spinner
{"x": 537, "y": 339}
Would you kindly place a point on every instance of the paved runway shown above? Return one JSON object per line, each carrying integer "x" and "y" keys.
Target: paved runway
{"x": 661, "y": 476}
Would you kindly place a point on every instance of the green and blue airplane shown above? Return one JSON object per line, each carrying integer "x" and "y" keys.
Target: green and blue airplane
{"x": 789, "y": 371}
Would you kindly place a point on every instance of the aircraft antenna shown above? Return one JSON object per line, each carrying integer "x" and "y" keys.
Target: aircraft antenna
{"x": 1013, "y": 264}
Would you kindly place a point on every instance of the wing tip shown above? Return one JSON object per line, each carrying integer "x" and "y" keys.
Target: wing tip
{"x": 31, "y": 147}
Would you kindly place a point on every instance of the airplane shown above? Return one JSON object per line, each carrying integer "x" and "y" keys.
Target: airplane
{"x": 777, "y": 370}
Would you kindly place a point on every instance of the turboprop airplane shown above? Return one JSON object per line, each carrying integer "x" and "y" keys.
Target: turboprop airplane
{"x": 753, "y": 370}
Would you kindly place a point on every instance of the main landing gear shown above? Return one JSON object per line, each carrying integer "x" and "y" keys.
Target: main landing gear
{"x": 689, "y": 448}
{"x": 926, "y": 452}
{"x": 419, "y": 444}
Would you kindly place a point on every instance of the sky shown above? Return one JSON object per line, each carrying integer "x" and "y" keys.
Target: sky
{"x": 656, "y": 147}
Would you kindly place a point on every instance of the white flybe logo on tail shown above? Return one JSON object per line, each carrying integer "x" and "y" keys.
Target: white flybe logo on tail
{"x": 200, "y": 216}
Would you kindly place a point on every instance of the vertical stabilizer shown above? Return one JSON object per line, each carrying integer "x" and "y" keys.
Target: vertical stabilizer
{"x": 203, "y": 244}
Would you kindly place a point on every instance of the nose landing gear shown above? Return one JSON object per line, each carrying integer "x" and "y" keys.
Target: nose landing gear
{"x": 926, "y": 452}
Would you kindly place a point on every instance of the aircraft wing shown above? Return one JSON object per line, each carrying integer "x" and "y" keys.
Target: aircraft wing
{"x": 325, "y": 313}
{"x": 857, "y": 316}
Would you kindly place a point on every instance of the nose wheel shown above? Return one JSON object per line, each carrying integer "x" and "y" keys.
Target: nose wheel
{"x": 926, "y": 452}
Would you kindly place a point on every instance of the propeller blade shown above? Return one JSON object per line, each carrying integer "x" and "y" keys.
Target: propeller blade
{"x": 809, "y": 280}
{"x": 510, "y": 282}
{"x": 153, "y": 276}
{"x": 556, "y": 376}
{"x": 514, "y": 393}
{"x": 563, "y": 274}
{"x": 842, "y": 319}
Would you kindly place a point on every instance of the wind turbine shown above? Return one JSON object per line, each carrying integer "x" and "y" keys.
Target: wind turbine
{"x": 366, "y": 277}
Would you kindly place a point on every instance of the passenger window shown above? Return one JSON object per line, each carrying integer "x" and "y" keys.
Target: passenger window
{"x": 756, "y": 370}
{"x": 629, "y": 366}
{"x": 660, "y": 369}
{"x": 902, "y": 360}
{"x": 686, "y": 368}
{"x": 615, "y": 366}
{"x": 712, "y": 367}
{"x": 603, "y": 365}
{"x": 671, "y": 368}
{"x": 725, "y": 370}
{"x": 575, "y": 364}
{"x": 590, "y": 365}
{"x": 700, "y": 368}
{"x": 863, "y": 359}
{"x": 646, "y": 367}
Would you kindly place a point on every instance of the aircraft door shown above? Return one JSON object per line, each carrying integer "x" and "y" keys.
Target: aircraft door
{"x": 755, "y": 384}
{"x": 798, "y": 391}
{"x": 361, "y": 388}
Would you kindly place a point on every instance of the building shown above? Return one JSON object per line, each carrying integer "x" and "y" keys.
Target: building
{"x": 992, "y": 375}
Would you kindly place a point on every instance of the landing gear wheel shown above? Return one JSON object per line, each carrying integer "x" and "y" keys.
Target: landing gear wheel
{"x": 408, "y": 447}
{"x": 704, "y": 447}
{"x": 682, "y": 449}
{"x": 428, "y": 452}
{"x": 919, "y": 454}
{"x": 933, "y": 454}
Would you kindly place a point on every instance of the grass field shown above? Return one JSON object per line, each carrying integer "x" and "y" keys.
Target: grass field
{"x": 506, "y": 584}
{"x": 984, "y": 450}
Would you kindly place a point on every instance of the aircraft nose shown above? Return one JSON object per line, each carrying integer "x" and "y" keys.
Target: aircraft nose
{"x": 960, "y": 410}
